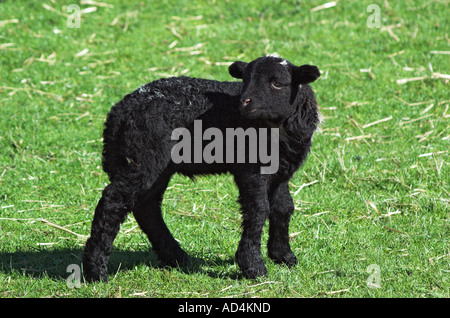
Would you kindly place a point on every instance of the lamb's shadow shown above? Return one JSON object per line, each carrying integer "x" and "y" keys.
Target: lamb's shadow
{"x": 54, "y": 263}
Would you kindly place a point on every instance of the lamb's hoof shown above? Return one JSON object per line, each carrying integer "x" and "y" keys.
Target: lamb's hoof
{"x": 254, "y": 272}
{"x": 180, "y": 259}
{"x": 287, "y": 258}
{"x": 251, "y": 267}
{"x": 94, "y": 274}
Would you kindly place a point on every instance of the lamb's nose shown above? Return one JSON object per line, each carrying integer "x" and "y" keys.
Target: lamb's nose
{"x": 246, "y": 102}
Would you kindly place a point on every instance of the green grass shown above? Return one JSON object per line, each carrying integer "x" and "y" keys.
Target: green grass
{"x": 377, "y": 194}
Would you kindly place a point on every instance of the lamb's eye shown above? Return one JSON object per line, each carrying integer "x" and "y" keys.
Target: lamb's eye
{"x": 276, "y": 85}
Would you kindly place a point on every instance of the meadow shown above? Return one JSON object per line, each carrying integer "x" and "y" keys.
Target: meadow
{"x": 372, "y": 200}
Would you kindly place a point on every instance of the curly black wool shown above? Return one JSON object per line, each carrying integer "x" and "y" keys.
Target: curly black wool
{"x": 137, "y": 156}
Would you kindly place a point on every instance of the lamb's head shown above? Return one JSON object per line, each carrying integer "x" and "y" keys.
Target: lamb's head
{"x": 270, "y": 86}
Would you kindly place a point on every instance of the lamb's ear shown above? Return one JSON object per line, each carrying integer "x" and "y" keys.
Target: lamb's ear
{"x": 237, "y": 69}
{"x": 305, "y": 74}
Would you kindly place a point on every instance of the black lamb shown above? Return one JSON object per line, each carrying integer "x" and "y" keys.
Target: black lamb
{"x": 142, "y": 151}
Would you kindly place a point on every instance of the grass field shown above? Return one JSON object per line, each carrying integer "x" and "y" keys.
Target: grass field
{"x": 372, "y": 200}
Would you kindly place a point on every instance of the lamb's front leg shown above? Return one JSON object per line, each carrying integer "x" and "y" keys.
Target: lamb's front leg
{"x": 255, "y": 209}
{"x": 281, "y": 209}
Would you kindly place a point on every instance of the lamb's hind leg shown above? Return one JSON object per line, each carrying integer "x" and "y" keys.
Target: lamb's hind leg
{"x": 149, "y": 217}
{"x": 109, "y": 214}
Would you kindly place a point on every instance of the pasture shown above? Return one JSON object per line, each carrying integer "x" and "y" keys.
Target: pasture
{"x": 372, "y": 200}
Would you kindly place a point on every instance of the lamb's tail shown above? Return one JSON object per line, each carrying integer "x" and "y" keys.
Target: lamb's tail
{"x": 112, "y": 157}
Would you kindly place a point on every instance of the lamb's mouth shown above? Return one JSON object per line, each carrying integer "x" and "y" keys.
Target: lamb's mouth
{"x": 251, "y": 113}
